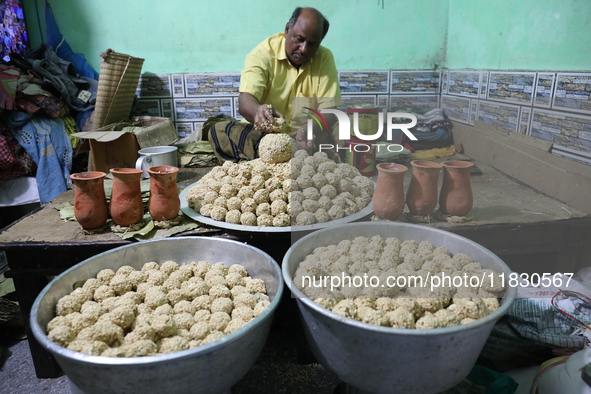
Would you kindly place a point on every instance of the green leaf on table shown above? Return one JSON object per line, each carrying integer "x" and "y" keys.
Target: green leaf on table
{"x": 139, "y": 233}
{"x": 186, "y": 224}
{"x": 66, "y": 210}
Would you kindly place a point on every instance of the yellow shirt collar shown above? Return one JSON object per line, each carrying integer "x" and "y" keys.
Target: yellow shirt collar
{"x": 281, "y": 54}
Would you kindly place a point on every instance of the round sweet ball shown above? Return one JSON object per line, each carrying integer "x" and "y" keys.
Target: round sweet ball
{"x": 305, "y": 218}
{"x": 246, "y": 192}
{"x": 239, "y": 269}
{"x": 310, "y": 205}
{"x": 234, "y": 325}
{"x": 257, "y": 182}
{"x": 101, "y": 293}
{"x": 169, "y": 267}
{"x": 62, "y": 335}
{"x": 327, "y": 166}
{"x": 233, "y": 171}
{"x": 264, "y": 208}
{"x": 321, "y": 215}
{"x": 233, "y": 216}
{"x": 120, "y": 284}
{"x": 287, "y": 185}
{"x": 319, "y": 180}
{"x": 276, "y": 148}
{"x": 218, "y": 213}
{"x": 248, "y": 205}
{"x": 233, "y": 203}
{"x": 152, "y": 265}
{"x": 260, "y": 307}
{"x": 260, "y": 170}
{"x": 324, "y": 202}
{"x": 219, "y": 320}
{"x": 328, "y": 191}
{"x": 265, "y": 220}
{"x": 278, "y": 194}
{"x": 222, "y": 304}
{"x": 311, "y": 193}
{"x": 105, "y": 275}
{"x": 173, "y": 344}
{"x": 261, "y": 196}
{"x": 205, "y": 210}
{"x": 67, "y": 305}
{"x": 301, "y": 154}
{"x": 282, "y": 220}
{"x": 248, "y": 219}
{"x": 228, "y": 191}
{"x": 210, "y": 197}
{"x": 277, "y": 207}
{"x": 273, "y": 183}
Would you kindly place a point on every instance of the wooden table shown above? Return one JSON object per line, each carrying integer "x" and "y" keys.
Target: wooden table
{"x": 530, "y": 231}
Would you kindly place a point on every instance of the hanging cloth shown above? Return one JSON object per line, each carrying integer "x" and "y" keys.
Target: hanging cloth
{"x": 47, "y": 142}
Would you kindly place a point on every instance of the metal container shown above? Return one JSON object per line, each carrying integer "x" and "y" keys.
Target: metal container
{"x": 362, "y": 156}
{"x": 211, "y": 368}
{"x": 389, "y": 360}
{"x": 367, "y": 118}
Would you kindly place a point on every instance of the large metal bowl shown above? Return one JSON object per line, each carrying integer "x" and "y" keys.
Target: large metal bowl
{"x": 211, "y": 368}
{"x": 390, "y": 360}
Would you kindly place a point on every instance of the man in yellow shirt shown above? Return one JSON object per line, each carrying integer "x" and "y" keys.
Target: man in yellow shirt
{"x": 282, "y": 75}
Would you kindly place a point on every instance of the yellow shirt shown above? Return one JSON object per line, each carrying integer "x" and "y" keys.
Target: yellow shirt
{"x": 272, "y": 79}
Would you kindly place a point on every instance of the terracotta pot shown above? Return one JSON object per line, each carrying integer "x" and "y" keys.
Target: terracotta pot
{"x": 421, "y": 196}
{"x": 126, "y": 198}
{"x": 164, "y": 202}
{"x": 456, "y": 198}
{"x": 388, "y": 198}
{"x": 90, "y": 202}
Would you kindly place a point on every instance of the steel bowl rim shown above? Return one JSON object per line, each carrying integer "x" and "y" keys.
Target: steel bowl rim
{"x": 54, "y": 348}
{"x": 301, "y": 297}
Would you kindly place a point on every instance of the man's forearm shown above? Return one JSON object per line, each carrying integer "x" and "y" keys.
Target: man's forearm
{"x": 248, "y": 105}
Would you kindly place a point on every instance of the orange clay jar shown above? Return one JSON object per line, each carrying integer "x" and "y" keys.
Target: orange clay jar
{"x": 421, "y": 196}
{"x": 90, "y": 202}
{"x": 456, "y": 197}
{"x": 164, "y": 202}
{"x": 126, "y": 198}
{"x": 388, "y": 198}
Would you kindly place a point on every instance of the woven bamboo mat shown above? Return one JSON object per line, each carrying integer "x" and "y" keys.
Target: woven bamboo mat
{"x": 119, "y": 77}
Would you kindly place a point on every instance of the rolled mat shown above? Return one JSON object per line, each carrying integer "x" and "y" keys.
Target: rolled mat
{"x": 118, "y": 81}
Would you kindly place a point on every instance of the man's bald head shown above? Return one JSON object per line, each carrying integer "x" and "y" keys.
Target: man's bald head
{"x": 310, "y": 12}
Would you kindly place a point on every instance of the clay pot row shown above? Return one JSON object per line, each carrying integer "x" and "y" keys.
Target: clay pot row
{"x": 126, "y": 206}
{"x": 455, "y": 198}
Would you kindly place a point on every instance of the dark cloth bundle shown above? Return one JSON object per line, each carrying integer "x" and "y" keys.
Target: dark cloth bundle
{"x": 433, "y": 130}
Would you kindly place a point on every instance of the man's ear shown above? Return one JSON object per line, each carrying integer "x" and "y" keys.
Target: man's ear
{"x": 286, "y": 27}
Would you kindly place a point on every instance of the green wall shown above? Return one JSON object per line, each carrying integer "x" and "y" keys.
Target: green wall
{"x": 177, "y": 36}
{"x": 520, "y": 34}
{"x": 198, "y": 35}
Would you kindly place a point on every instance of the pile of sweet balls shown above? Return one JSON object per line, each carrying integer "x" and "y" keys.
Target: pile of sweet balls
{"x": 159, "y": 309}
{"x": 278, "y": 190}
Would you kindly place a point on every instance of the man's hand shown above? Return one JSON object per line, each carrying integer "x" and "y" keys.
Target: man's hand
{"x": 265, "y": 118}
{"x": 302, "y": 141}
{"x": 256, "y": 113}
{"x": 264, "y": 113}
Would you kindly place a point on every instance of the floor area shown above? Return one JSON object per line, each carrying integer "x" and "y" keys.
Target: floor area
{"x": 17, "y": 374}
